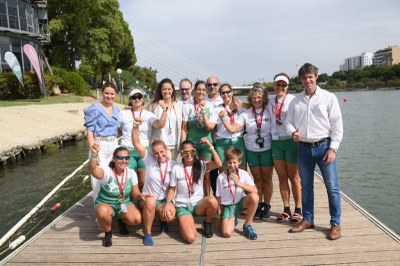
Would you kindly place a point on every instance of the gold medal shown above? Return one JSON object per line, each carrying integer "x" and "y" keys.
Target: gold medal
{"x": 121, "y": 198}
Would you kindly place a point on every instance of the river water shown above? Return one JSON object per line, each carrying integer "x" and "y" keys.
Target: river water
{"x": 368, "y": 164}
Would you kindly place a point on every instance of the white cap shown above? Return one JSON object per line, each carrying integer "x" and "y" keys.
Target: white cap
{"x": 135, "y": 91}
{"x": 282, "y": 78}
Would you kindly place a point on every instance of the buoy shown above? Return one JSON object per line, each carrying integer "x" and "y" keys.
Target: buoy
{"x": 55, "y": 207}
{"x": 16, "y": 242}
{"x": 345, "y": 100}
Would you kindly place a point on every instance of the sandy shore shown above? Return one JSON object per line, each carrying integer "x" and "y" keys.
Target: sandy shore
{"x": 27, "y": 127}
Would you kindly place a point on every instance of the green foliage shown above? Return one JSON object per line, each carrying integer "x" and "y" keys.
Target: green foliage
{"x": 11, "y": 88}
{"x": 73, "y": 83}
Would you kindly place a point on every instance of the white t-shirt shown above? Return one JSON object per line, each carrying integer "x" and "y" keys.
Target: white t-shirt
{"x": 126, "y": 124}
{"x": 224, "y": 192}
{"x": 190, "y": 114}
{"x": 169, "y": 133}
{"x": 153, "y": 184}
{"x": 222, "y": 132}
{"x": 108, "y": 174}
{"x": 276, "y": 129}
{"x": 216, "y": 102}
{"x": 179, "y": 181}
{"x": 248, "y": 119}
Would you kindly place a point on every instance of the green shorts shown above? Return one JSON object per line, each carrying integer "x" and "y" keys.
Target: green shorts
{"x": 230, "y": 211}
{"x": 136, "y": 162}
{"x": 158, "y": 203}
{"x": 259, "y": 158}
{"x": 185, "y": 210}
{"x": 284, "y": 150}
{"x": 116, "y": 207}
{"x": 204, "y": 153}
{"x": 223, "y": 144}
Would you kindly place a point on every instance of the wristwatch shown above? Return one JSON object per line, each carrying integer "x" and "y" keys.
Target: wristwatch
{"x": 334, "y": 150}
{"x": 165, "y": 109}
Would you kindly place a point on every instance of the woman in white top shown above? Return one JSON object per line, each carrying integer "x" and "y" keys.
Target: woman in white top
{"x": 171, "y": 132}
{"x": 231, "y": 107}
{"x": 257, "y": 138}
{"x": 148, "y": 120}
{"x": 117, "y": 184}
{"x": 284, "y": 150}
{"x": 156, "y": 184}
{"x": 187, "y": 187}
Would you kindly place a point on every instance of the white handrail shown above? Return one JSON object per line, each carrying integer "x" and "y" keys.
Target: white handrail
{"x": 38, "y": 206}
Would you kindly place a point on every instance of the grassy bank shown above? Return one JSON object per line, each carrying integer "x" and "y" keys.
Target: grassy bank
{"x": 48, "y": 100}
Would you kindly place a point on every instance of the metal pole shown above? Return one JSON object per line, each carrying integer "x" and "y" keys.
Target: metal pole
{"x": 120, "y": 89}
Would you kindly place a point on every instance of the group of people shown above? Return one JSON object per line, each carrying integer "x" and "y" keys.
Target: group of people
{"x": 187, "y": 157}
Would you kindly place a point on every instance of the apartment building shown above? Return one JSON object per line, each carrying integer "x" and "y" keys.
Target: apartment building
{"x": 387, "y": 57}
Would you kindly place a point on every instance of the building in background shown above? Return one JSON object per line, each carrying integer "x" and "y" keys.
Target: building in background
{"x": 387, "y": 57}
{"x": 22, "y": 22}
{"x": 360, "y": 61}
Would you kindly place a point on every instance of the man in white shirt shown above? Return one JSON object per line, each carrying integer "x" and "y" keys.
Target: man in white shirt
{"x": 314, "y": 120}
{"x": 186, "y": 87}
{"x": 213, "y": 91}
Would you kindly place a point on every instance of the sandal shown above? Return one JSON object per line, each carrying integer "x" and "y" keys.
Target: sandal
{"x": 283, "y": 217}
{"x": 296, "y": 218}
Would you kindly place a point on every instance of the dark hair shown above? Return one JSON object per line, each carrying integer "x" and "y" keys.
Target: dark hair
{"x": 233, "y": 153}
{"x": 157, "y": 94}
{"x": 199, "y": 82}
{"x": 233, "y": 105}
{"x": 116, "y": 151}
{"x": 108, "y": 84}
{"x": 258, "y": 88}
{"x": 308, "y": 68}
{"x": 185, "y": 79}
{"x": 196, "y": 164}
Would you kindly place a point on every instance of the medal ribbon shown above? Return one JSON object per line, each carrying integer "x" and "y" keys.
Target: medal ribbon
{"x": 189, "y": 179}
{"x": 133, "y": 113}
{"x": 196, "y": 108}
{"x": 161, "y": 173}
{"x": 277, "y": 108}
{"x": 121, "y": 185}
{"x": 230, "y": 115}
{"x": 230, "y": 187}
{"x": 258, "y": 117}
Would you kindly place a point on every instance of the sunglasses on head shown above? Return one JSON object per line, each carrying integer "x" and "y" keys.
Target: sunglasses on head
{"x": 212, "y": 84}
{"x": 191, "y": 151}
{"x": 126, "y": 158}
{"x": 137, "y": 96}
{"x": 225, "y": 92}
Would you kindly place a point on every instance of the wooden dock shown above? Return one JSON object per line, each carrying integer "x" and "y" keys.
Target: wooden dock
{"x": 75, "y": 239}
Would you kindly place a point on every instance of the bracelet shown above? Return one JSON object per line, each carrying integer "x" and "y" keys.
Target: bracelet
{"x": 211, "y": 148}
{"x": 135, "y": 125}
{"x": 203, "y": 112}
{"x": 93, "y": 158}
{"x": 165, "y": 109}
{"x": 168, "y": 201}
{"x": 218, "y": 217}
{"x": 224, "y": 118}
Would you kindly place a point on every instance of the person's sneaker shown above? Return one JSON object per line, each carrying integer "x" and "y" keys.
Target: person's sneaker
{"x": 148, "y": 241}
{"x": 335, "y": 232}
{"x": 266, "y": 213}
{"x": 164, "y": 226}
{"x": 257, "y": 215}
{"x": 207, "y": 227}
{"x": 107, "y": 240}
{"x": 123, "y": 230}
{"x": 249, "y": 231}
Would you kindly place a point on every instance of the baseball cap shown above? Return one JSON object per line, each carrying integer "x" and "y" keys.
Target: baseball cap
{"x": 135, "y": 91}
{"x": 281, "y": 78}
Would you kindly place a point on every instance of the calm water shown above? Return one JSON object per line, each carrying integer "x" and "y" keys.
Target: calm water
{"x": 368, "y": 163}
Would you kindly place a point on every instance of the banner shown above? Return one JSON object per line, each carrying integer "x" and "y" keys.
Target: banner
{"x": 13, "y": 62}
{"x": 32, "y": 55}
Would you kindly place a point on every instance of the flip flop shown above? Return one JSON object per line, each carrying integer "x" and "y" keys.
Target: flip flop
{"x": 296, "y": 218}
{"x": 283, "y": 217}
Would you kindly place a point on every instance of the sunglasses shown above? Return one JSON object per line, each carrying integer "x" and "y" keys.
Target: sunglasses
{"x": 281, "y": 85}
{"x": 126, "y": 158}
{"x": 184, "y": 89}
{"x": 212, "y": 84}
{"x": 134, "y": 97}
{"x": 184, "y": 152}
{"x": 225, "y": 92}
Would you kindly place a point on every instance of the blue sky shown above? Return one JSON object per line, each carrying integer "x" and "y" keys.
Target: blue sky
{"x": 244, "y": 41}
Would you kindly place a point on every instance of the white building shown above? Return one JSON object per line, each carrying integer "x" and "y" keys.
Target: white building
{"x": 360, "y": 61}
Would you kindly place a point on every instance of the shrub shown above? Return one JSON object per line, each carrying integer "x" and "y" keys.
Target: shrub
{"x": 11, "y": 88}
{"x": 74, "y": 83}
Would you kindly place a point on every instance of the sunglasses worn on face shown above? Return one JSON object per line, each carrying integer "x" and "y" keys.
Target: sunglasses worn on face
{"x": 225, "y": 92}
{"x": 184, "y": 152}
{"x": 184, "y": 89}
{"x": 126, "y": 158}
{"x": 212, "y": 84}
{"x": 134, "y": 97}
{"x": 280, "y": 85}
